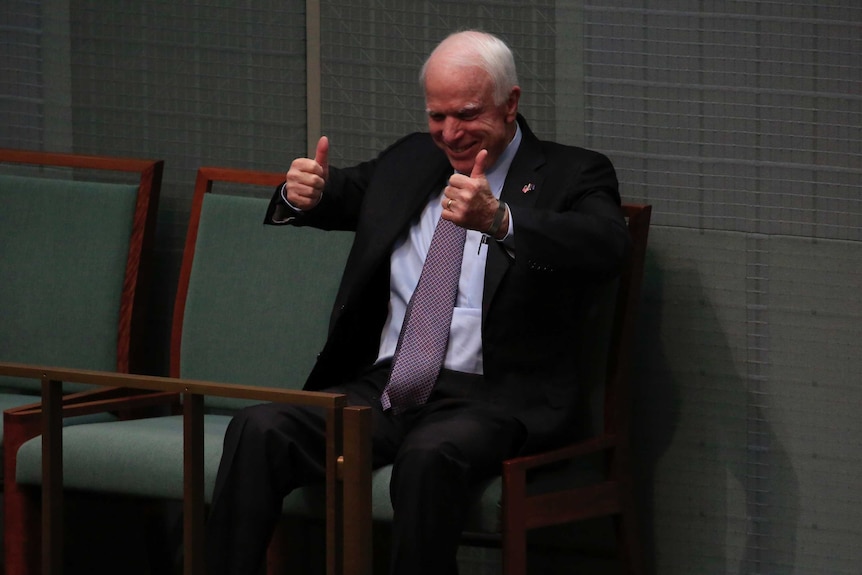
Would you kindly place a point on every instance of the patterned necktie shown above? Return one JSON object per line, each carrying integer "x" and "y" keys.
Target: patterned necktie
{"x": 425, "y": 333}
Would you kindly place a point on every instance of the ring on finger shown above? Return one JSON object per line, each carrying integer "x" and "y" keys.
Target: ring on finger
{"x": 449, "y": 204}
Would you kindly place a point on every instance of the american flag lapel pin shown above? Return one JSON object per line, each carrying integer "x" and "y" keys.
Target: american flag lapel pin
{"x": 528, "y": 188}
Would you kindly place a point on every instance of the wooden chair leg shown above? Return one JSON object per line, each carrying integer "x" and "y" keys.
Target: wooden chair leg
{"x": 514, "y": 541}
{"x": 628, "y": 534}
{"x": 297, "y": 547}
{"x": 277, "y": 554}
{"x": 22, "y": 512}
{"x": 515, "y": 552}
{"x": 23, "y": 527}
{"x": 356, "y": 483}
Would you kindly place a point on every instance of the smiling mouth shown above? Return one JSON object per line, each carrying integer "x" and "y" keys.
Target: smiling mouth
{"x": 460, "y": 150}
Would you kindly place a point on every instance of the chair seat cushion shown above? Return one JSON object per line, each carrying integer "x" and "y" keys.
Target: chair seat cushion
{"x": 140, "y": 457}
{"x": 144, "y": 457}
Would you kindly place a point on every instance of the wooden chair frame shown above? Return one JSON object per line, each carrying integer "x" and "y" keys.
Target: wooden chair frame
{"x": 614, "y": 495}
{"x": 132, "y": 313}
{"x": 348, "y": 458}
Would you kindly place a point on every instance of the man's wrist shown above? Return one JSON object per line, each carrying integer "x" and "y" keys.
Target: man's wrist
{"x": 497, "y": 222}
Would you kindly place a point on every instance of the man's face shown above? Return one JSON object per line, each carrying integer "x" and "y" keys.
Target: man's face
{"x": 462, "y": 116}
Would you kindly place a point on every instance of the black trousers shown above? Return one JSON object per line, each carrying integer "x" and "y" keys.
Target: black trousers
{"x": 439, "y": 452}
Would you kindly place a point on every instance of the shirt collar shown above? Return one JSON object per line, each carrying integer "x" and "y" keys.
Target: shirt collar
{"x": 497, "y": 174}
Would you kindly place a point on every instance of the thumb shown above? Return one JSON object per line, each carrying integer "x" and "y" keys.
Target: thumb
{"x": 479, "y": 164}
{"x": 321, "y": 155}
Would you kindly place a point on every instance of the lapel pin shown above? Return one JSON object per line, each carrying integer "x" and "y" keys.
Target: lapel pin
{"x": 528, "y": 188}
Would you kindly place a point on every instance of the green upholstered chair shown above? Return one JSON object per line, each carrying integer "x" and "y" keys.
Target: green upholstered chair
{"x": 76, "y": 237}
{"x": 577, "y": 499}
{"x": 74, "y": 241}
{"x": 564, "y": 493}
{"x": 252, "y": 308}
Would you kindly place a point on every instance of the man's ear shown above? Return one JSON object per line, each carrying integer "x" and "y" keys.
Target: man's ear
{"x": 512, "y": 104}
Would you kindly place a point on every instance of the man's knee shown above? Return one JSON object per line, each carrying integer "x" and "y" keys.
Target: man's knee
{"x": 248, "y": 424}
{"x": 440, "y": 462}
{"x": 263, "y": 420}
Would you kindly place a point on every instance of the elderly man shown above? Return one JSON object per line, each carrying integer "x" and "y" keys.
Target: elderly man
{"x": 477, "y": 248}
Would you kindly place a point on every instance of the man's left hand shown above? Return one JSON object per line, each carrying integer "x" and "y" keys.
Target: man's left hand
{"x": 468, "y": 201}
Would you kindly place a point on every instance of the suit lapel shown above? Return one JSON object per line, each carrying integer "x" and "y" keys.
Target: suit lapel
{"x": 396, "y": 200}
{"x": 402, "y": 200}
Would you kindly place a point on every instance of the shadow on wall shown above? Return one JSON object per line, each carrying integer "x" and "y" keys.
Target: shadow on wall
{"x": 717, "y": 490}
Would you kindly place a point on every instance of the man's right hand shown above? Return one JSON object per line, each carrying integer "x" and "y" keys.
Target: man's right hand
{"x": 306, "y": 178}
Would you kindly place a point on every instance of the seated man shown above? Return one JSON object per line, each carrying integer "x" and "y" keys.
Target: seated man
{"x": 476, "y": 253}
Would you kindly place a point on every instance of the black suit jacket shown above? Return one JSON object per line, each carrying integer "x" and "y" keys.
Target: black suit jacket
{"x": 569, "y": 237}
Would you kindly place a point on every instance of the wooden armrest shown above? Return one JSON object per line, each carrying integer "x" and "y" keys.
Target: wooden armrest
{"x": 528, "y": 511}
{"x": 347, "y": 446}
{"x": 174, "y": 385}
{"x": 572, "y": 451}
{"x": 116, "y": 399}
{"x": 104, "y": 394}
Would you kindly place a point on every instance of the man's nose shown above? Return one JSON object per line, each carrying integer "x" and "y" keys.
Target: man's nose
{"x": 452, "y": 129}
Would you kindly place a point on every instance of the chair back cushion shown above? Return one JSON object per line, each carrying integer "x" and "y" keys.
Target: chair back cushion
{"x": 259, "y": 297}
{"x": 63, "y": 251}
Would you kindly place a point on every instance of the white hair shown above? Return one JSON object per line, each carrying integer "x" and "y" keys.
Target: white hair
{"x": 476, "y": 48}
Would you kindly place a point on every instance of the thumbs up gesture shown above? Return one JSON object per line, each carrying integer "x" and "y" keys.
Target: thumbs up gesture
{"x": 468, "y": 200}
{"x": 306, "y": 178}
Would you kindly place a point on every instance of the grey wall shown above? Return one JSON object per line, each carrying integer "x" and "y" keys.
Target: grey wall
{"x": 739, "y": 121}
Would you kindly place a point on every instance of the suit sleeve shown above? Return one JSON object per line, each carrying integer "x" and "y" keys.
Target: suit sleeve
{"x": 578, "y": 226}
{"x": 339, "y": 205}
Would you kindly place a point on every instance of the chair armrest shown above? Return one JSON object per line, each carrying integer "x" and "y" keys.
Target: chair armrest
{"x": 115, "y": 399}
{"x": 557, "y": 500}
{"x": 172, "y": 385}
{"x": 559, "y": 455}
{"x": 352, "y": 429}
